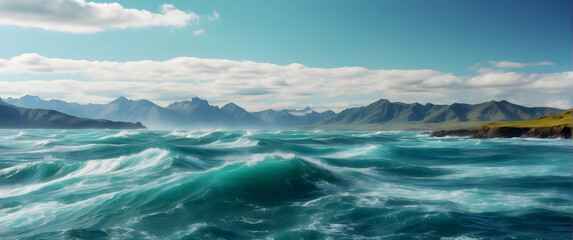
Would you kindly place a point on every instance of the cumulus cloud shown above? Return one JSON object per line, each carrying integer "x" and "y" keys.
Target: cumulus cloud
{"x": 221, "y": 71}
{"x": 258, "y": 86}
{"x": 553, "y": 81}
{"x": 198, "y": 32}
{"x": 213, "y": 17}
{"x": 79, "y": 16}
{"x": 507, "y": 64}
{"x": 497, "y": 78}
{"x": 442, "y": 81}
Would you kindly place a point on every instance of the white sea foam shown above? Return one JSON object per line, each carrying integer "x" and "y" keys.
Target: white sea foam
{"x": 251, "y": 220}
{"x": 122, "y": 133}
{"x": 463, "y": 237}
{"x": 191, "y": 134}
{"x": 61, "y": 149}
{"x": 471, "y": 200}
{"x": 331, "y": 229}
{"x": 42, "y": 213}
{"x": 123, "y": 165}
{"x": 257, "y": 158}
{"x": 354, "y": 152}
{"x": 239, "y": 143}
{"x": 472, "y": 171}
{"x": 42, "y": 143}
{"x": 189, "y": 230}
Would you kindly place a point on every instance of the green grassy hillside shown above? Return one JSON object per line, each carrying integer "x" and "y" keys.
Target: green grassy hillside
{"x": 562, "y": 119}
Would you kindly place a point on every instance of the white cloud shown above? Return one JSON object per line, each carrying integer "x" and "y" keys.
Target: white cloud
{"x": 213, "y": 17}
{"x": 476, "y": 66}
{"x": 497, "y": 78}
{"x": 258, "y": 86}
{"x": 507, "y": 64}
{"x": 198, "y": 32}
{"x": 217, "y": 71}
{"x": 553, "y": 81}
{"x": 557, "y": 103}
{"x": 442, "y": 81}
{"x": 79, "y": 16}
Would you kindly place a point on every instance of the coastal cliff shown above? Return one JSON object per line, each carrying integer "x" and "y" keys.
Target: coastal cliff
{"x": 535, "y": 132}
{"x": 551, "y": 126}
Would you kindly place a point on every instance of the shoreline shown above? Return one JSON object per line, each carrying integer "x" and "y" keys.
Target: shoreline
{"x": 486, "y": 131}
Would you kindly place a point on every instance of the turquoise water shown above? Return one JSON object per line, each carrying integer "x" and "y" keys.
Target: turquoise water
{"x": 94, "y": 184}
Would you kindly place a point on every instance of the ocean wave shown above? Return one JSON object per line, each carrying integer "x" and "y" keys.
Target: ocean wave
{"x": 257, "y": 158}
{"x": 40, "y": 214}
{"x": 58, "y": 171}
{"x": 239, "y": 143}
{"x": 190, "y": 134}
{"x": 33, "y": 172}
{"x": 282, "y": 185}
{"x": 122, "y": 134}
{"x": 354, "y": 152}
{"x": 273, "y": 178}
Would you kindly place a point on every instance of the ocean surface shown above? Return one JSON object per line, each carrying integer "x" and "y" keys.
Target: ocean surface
{"x": 106, "y": 184}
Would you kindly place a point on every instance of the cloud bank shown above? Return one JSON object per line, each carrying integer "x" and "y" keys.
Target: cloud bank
{"x": 79, "y": 16}
{"x": 506, "y": 64}
{"x": 263, "y": 85}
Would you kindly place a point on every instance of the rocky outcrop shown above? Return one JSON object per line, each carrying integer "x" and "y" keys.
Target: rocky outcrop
{"x": 536, "y": 132}
{"x": 453, "y": 133}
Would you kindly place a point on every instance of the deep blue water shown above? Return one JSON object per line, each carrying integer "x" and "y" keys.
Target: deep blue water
{"x": 94, "y": 184}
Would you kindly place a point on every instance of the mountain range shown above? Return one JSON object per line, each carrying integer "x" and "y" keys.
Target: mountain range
{"x": 386, "y": 115}
{"x": 184, "y": 114}
{"x": 380, "y": 115}
{"x": 18, "y": 117}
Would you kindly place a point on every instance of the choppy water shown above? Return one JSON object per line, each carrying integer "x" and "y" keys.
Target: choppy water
{"x": 93, "y": 184}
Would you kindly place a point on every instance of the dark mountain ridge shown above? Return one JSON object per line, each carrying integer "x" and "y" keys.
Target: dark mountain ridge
{"x": 409, "y": 116}
{"x": 241, "y": 116}
{"x": 145, "y": 111}
{"x": 291, "y": 118}
{"x": 18, "y": 117}
{"x": 199, "y": 112}
{"x": 74, "y": 109}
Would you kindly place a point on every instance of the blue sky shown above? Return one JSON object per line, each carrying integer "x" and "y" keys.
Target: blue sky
{"x": 326, "y": 54}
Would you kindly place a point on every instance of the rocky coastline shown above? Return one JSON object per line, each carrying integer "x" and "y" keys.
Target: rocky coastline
{"x": 523, "y": 132}
{"x": 452, "y": 133}
{"x": 550, "y": 126}
{"x": 485, "y": 131}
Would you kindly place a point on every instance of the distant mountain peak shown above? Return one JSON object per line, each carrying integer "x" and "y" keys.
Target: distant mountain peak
{"x": 232, "y": 107}
{"x": 199, "y": 100}
{"x": 231, "y": 104}
{"x": 145, "y": 101}
{"x": 121, "y": 99}
{"x": 30, "y": 97}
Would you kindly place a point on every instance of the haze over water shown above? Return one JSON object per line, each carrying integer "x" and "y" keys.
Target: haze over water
{"x": 104, "y": 184}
